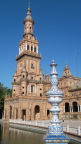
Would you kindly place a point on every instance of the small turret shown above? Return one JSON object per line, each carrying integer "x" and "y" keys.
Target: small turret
{"x": 67, "y": 71}
{"x": 28, "y": 24}
{"x": 47, "y": 78}
{"x": 15, "y": 76}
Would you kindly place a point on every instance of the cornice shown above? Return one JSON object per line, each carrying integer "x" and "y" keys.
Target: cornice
{"x": 27, "y": 53}
{"x": 75, "y": 89}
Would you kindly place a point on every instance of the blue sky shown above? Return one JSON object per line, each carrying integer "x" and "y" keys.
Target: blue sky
{"x": 57, "y": 28}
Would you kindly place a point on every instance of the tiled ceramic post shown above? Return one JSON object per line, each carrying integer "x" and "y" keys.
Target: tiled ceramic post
{"x": 55, "y": 131}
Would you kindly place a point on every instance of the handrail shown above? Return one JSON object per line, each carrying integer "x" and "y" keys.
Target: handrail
{"x": 45, "y": 124}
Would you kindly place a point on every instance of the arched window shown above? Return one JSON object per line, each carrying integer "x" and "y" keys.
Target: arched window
{"x": 40, "y": 94}
{"x": 35, "y": 49}
{"x": 31, "y": 78}
{"x": 32, "y": 88}
{"x": 48, "y": 114}
{"x": 14, "y": 80}
{"x": 24, "y": 114}
{"x": 30, "y": 29}
{"x": 32, "y": 65}
{"x": 75, "y": 107}
{"x": 67, "y": 109}
{"x": 40, "y": 79}
{"x": 37, "y": 112}
{"x": 28, "y": 47}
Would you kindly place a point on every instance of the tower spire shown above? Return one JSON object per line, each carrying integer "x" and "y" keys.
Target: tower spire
{"x": 66, "y": 65}
{"x": 29, "y": 4}
{"x": 28, "y": 17}
{"x": 29, "y": 10}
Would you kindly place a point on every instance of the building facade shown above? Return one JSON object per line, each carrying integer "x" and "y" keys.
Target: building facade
{"x": 29, "y": 86}
{"x": 71, "y": 104}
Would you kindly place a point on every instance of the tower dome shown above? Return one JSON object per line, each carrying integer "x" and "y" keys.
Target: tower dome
{"x": 28, "y": 17}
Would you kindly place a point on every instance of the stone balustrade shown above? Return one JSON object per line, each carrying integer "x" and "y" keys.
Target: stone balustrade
{"x": 45, "y": 124}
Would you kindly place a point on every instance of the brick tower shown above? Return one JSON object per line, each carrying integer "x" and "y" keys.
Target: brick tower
{"x": 28, "y": 101}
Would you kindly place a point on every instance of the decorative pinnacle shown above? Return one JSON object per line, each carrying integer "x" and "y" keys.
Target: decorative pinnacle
{"x": 29, "y": 10}
{"x": 29, "y": 4}
{"x": 66, "y": 66}
{"x": 53, "y": 65}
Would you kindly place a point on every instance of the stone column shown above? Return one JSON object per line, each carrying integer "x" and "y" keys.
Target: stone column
{"x": 44, "y": 112}
{"x": 40, "y": 113}
{"x": 70, "y": 108}
{"x": 29, "y": 47}
{"x": 7, "y": 115}
{"x": 30, "y": 88}
{"x": 19, "y": 111}
{"x": 64, "y": 108}
{"x": 37, "y": 49}
{"x": 35, "y": 88}
{"x": 31, "y": 112}
{"x": 12, "y": 113}
{"x": 26, "y": 46}
{"x": 15, "y": 113}
{"x": 4, "y": 114}
{"x": 26, "y": 113}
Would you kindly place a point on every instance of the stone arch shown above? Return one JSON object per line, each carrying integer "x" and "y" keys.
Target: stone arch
{"x": 37, "y": 112}
{"x": 35, "y": 49}
{"x": 75, "y": 106}
{"x": 31, "y": 48}
{"x": 16, "y": 113}
{"x": 28, "y": 47}
{"x": 67, "y": 108}
{"x": 24, "y": 114}
{"x": 48, "y": 114}
{"x": 10, "y": 112}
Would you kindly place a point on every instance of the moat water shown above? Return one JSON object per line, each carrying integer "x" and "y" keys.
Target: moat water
{"x": 15, "y": 136}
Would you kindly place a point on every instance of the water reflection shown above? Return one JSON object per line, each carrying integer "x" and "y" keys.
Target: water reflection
{"x": 0, "y": 133}
{"x": 16, "y": 136}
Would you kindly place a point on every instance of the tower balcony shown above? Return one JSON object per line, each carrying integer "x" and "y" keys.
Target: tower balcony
{"x": 28, "y": 53}
{"x": 30, "y": 81}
